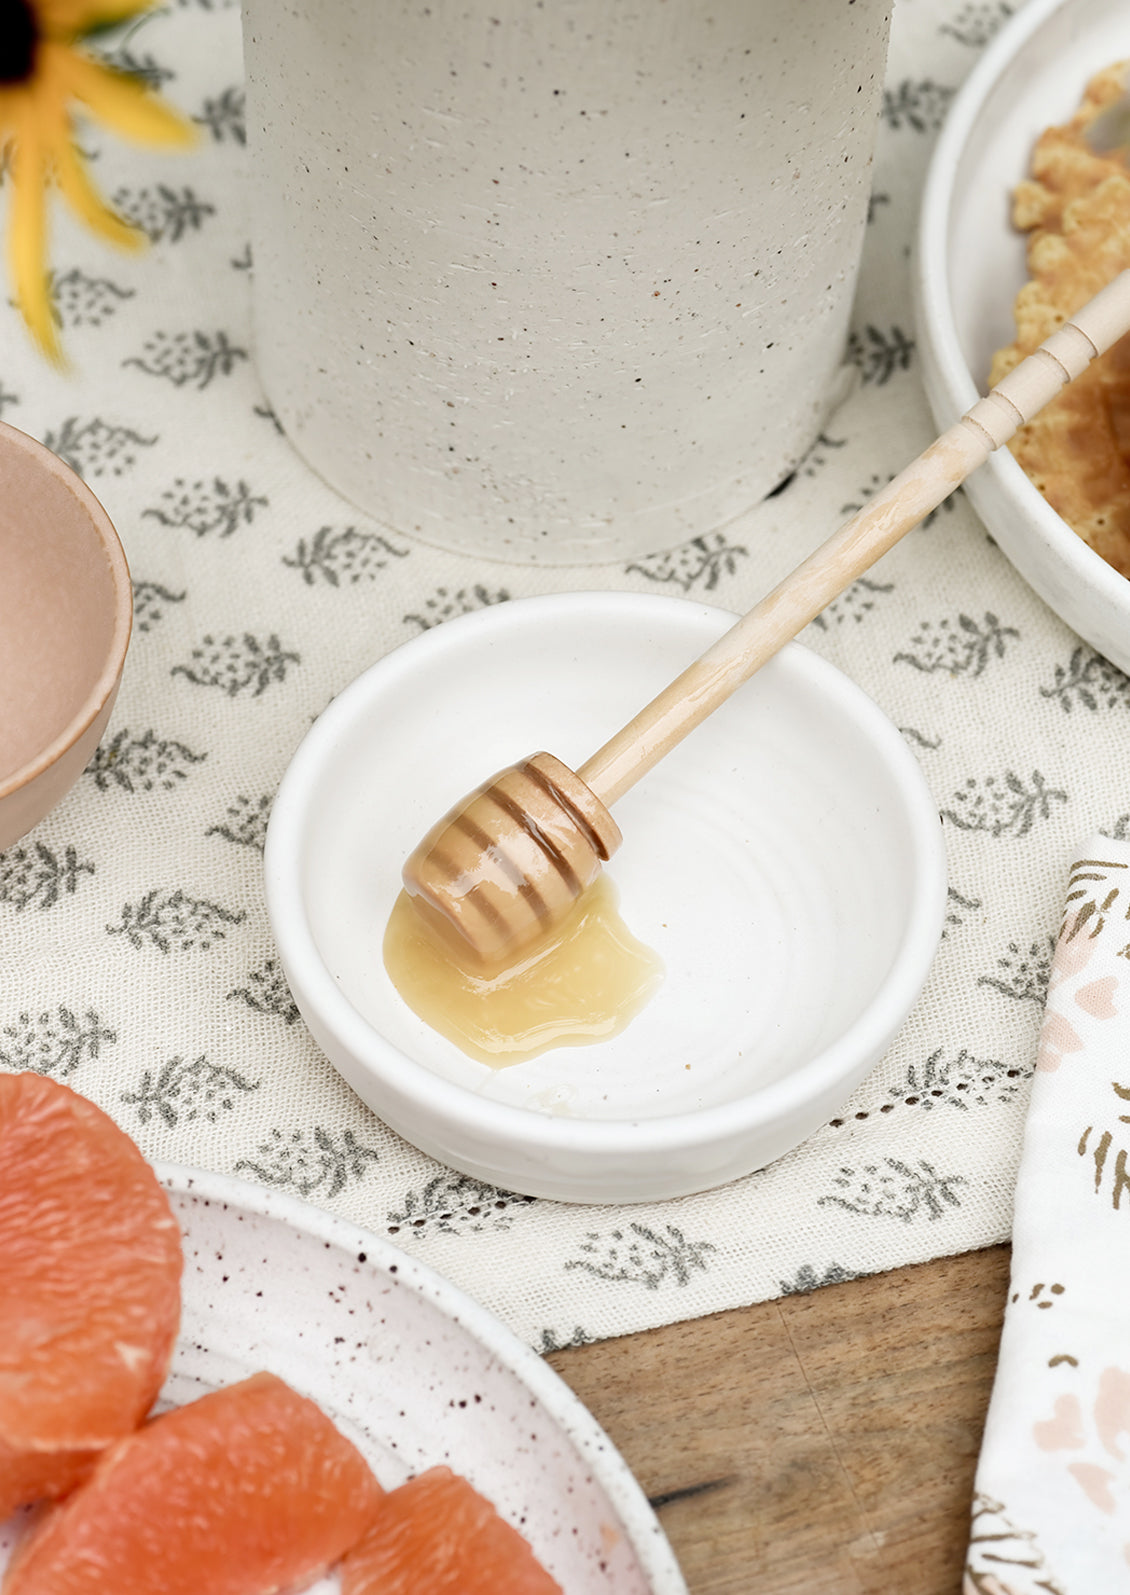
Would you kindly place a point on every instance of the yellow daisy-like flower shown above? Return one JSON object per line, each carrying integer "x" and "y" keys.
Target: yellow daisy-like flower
{"x": 42, "y": 74}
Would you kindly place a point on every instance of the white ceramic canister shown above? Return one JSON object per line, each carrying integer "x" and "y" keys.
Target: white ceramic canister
{"x": 557, "y": 281}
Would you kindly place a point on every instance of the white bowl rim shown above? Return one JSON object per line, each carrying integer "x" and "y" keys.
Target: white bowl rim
{"x": 935, "y": 300}
{"x": 106, "y": 682}
{"x": 504, "y": 1123}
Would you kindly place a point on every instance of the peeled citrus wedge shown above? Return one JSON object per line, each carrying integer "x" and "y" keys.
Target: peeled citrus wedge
{"x": 249, "y": 1490}
{"x": 436, "y": 1535}
{"x": 90, "y": 1266}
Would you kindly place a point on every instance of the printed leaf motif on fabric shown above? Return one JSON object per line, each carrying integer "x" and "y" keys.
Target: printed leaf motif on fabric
{"x": 896, "y": 1190}
{"x": 456, "y": 1204}
{"x": 957, "y": 907}
{"x": 1024, "y": 974}
{"x": 149, "y": 600}
{"x": 1088, "y": 681}
{"x": 444, "y": 605}
{"x": 175, "y": 922}
{"x": 145, "y": 763}
{"x": 953, "y": 1082}
{"x": 964, "y": 648}
{"x": 234, "y": 664}
{"x": 819, "y": 454}
{"x": 96, "y": 448}
{"x": 975, "y": 25}
{"x": 245, "y": 822}
{"x": 163, "y": 214}
{"x": 6, "y": 398}
{"x": 640, "y": 1255}
{"x": 1111, "y": 1175}
{"x": 855, "y": 603}
{"x": 145, "y": 67}
{"x": 549, "y": 1340}
{"x": 265, "y": 413}
{"x": 701, "y": 562}
{"x": 267, "y": 992}
{"x": 81, "y": 301}
{"x": 187, "y": 357}
{"x": 55, "y": 1042}
{"x": 879, "y": 355}
{"x": 807, "y": 1279}
{"x": 321, "y": 1161}
{"x": 184, "y": 1090}
{"x": 37, "y": 877}
{"x": 207, "y": 506}
{"x": 1003, "y": 805}
{"x": 920, "y": 106}
{"x": 224, "y": 117}
{"x": 1099, "y": 889}
{"x": 919, "y": 739}
{"x": 959, "y": 1080}
{"x": 1003, "y": 1559}
{"x": 343, "y": 557}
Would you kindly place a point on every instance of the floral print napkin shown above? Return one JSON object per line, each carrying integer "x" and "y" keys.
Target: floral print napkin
{"x": 1052, "y": 1510}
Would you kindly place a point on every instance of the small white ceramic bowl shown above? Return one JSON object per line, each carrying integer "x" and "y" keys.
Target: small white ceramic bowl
{"x": 971, "y": 263}
{"x": 786, "y": 862}
{"x": 66, "y": 608}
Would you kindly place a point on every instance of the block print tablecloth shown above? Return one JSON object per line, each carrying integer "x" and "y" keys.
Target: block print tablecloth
{"x": 136, "y": 961}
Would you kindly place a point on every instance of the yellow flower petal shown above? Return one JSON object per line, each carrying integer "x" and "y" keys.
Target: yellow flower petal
{"x": 67, "y": 19}
{"x": 27, "y": 228}
{"x": 121, "y": 102}
{"x": 84, "y": 199}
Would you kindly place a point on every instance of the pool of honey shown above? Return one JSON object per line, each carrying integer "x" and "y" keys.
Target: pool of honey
{"x": 584, "y": 983}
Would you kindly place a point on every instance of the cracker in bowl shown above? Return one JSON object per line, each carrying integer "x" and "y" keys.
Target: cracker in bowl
{"x": 1076, "y": 209}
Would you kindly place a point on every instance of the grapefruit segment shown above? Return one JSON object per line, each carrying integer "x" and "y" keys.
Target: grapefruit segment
{"x": 246, "y": 1491}
{"x": 436, "y": 1535}
{"x": 90, "y": 1266}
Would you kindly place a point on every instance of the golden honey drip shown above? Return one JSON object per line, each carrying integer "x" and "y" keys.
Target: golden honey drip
{"x": 584, "y": 983}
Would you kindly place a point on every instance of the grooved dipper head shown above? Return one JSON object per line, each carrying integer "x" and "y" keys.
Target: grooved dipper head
{"x": 506, "y": 865}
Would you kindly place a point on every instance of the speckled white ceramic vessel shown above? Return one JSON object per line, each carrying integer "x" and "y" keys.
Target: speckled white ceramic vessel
{"x": 563, "y": 282}
{"x": 410, "y": 1369}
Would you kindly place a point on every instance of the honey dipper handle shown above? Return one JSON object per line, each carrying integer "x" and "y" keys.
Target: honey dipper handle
{"x": 858, "y": 543}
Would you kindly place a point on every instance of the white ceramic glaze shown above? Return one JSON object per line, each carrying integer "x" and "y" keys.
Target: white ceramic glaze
{"x": 411, "y": 1370}
{"x": 786, "y": 862}
{"x": 559, "y": 283}
{"x": 971, "y": 263}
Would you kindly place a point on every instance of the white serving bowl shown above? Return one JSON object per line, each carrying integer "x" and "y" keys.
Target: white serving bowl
{"x": 786, "y": 862}
{"x": 971, "y": 263}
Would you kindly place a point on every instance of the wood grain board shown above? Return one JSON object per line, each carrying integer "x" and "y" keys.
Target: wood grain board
{"x": 821, "y": 1444}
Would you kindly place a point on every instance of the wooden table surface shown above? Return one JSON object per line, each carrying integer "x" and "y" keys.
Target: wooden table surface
{"x": 822, "y": 1444}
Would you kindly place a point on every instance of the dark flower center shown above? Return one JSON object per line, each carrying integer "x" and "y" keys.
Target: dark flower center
{"x": 17, "y": 40}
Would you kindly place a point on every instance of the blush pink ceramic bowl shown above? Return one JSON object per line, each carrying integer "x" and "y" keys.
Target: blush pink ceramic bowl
{"x": 65, "y": 616}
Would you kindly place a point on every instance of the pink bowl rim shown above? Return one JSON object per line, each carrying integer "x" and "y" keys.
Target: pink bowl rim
{"x": 13, "y": 440}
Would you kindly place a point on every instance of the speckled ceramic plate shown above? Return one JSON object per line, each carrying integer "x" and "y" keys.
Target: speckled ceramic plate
{"x": 413, "y": 1371}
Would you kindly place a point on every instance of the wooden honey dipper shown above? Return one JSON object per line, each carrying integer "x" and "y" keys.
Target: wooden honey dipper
{"x": 506, "y": 865}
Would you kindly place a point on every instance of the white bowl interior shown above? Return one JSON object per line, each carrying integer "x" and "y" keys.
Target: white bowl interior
{"x": 775, "y": 860}
{"x": 971, "y": 264}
